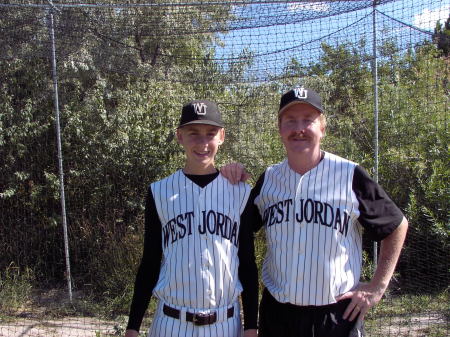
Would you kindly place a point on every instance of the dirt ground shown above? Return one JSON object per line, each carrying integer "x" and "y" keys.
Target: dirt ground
{"x": 411, "y": 326}
{"x": 30, "y": 321}
{"x": 67, "y": 327}
{"x": 417, "y": 325}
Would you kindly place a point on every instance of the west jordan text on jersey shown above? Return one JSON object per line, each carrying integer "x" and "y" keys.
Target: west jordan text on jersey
{"x": 308, "y": 211}
{"x": 211, "y": 222}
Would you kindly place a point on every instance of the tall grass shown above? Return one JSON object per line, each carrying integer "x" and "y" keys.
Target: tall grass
{"x": 15, "y": 289}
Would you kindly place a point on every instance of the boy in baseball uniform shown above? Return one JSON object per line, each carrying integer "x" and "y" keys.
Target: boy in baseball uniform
{"x": 198, "y": 248}
{"x": 314, "y": 206}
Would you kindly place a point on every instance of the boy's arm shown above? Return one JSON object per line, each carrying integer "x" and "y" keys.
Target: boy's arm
{"x": 248, "y": 271}
{"x": 149, "y": 269}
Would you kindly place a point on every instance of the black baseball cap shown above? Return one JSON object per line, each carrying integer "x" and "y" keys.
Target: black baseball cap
{"x": 300, "y": 95}
{"x": 201, "y": 111}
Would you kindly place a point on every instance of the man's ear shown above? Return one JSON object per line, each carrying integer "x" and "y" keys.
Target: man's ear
{"x": 179, "y": 135}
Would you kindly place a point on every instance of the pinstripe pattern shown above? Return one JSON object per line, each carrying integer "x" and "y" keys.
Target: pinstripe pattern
{"x": 314, "y": 242}
{"x": 199, "y": 268}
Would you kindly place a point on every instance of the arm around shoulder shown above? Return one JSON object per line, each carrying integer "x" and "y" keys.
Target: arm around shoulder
{"x": 235, "y": 172}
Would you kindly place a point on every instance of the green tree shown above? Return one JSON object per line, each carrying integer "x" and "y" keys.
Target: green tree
{"x": 346, "y": 86}
{"x": 414, "y": 163}
{"x": 123, "y": 74}
{"x": 441, "y": 36}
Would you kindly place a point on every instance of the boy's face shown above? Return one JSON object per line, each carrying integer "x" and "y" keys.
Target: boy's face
{"x": 200, "y": 142}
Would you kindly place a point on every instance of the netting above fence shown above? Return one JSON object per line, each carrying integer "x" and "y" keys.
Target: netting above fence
{"x": 125, "y": 69}
{"x": 266, "y": 34}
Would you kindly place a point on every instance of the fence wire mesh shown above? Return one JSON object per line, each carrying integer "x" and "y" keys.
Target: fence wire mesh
{"x": 125, "y": 69}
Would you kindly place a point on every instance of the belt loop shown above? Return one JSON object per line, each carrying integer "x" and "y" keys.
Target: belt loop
{"x": 223, "y": 314}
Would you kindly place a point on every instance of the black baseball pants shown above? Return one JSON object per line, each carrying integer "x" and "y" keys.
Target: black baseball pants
{"x": 287, "y": 320}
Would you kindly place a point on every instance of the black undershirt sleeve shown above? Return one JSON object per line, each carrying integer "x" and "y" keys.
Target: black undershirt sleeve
{"x": 248, "y": 271}
{"x": 379, "y": 215}
{"x": 148, "y": 272}
{"x": 257, "y": 219}
{"x": 251, "y": 222}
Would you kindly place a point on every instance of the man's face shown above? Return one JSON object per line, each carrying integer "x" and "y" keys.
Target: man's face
{"x": 200, "y": 142}
{"x": 301, "y": 129}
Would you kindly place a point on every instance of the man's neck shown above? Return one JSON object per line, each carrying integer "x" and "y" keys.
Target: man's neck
{"x": 303, "y": 163}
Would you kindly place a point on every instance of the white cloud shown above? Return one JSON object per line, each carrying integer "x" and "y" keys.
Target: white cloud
{"x": 309, "y": 6}
{"x": 427, "y": 18}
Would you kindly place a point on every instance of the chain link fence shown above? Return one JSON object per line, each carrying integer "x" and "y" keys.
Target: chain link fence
{"x": 90, "y": 98}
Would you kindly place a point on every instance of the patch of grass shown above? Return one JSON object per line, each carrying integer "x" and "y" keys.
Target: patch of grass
{"x": 412, "y": 304}
{"x": 15, "y": 289}
{"x": 410, "y": 315}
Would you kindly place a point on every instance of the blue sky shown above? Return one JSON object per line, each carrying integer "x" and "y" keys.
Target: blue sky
{"x": 274, "y": 45}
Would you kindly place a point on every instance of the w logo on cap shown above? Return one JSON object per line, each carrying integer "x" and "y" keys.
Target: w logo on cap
{"x": 301, "y": 93}
{"x": 200, "y": 108}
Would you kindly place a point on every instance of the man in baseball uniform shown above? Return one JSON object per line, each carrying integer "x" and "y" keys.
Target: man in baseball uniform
{"x": 314, "y": 207}
{"x": 198, "y": 251}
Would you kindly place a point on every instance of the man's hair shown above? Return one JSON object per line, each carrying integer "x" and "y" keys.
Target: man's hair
{"x": 322, "y": 118}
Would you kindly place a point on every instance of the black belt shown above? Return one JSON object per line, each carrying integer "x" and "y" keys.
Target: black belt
{"x": 197, "y": 319}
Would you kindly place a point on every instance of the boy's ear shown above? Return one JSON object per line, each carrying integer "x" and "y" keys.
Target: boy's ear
{"x": 222, "y": 136}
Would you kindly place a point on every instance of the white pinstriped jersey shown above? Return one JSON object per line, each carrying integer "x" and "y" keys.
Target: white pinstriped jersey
{"x": 200, "y": 228}
{"x": 314, "y": 241}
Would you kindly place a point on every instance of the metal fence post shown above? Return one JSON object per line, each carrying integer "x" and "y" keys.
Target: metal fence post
{"x": 60, "y": 157}
{"x": 375, "y": 112}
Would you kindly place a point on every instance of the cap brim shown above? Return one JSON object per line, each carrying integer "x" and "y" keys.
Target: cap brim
{"x": 200, "y": 121}
{"x": 298, "y": 102}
